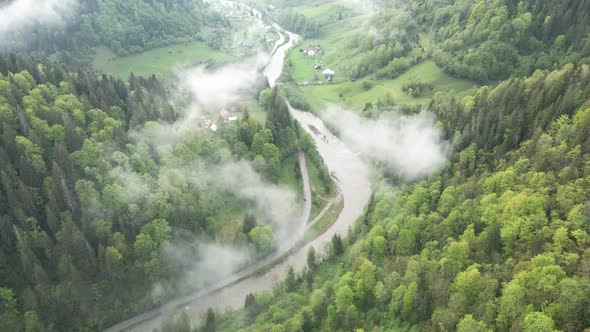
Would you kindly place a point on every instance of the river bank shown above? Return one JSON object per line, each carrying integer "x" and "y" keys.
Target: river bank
{"x": 353, "y": 178}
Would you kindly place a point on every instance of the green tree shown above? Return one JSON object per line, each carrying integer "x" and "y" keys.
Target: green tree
{"x": 468, "y": 324}
{"x": 262, "y": 238}
{"x": 538, "y": 322}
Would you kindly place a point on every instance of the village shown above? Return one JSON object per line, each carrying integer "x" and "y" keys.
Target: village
{"x": 249, "y": 34}
{"x": 223, "y": 116}
{"x": 316, "y": 52}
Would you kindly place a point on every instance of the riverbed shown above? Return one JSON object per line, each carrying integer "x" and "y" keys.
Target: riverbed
{"x": 353, "y": 178}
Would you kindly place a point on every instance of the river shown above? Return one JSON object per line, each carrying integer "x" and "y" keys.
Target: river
{"x": 352, "y": 176}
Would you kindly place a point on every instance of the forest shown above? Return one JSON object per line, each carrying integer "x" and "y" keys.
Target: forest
{"x": 480, "y": 40}
{"x": 496, "y": 241}
{"x": 88, "y": 209}
{"x": 103, "y": 196}
{"x": 126, "y": 27}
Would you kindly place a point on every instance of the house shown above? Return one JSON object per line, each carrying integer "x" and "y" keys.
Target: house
{"x": 224, "y": 114}
{"x": 213, "y": 127}
{"x": 232, "y": 119}
{"x": 310, "y": 52}
{"x": 329, "y": 75}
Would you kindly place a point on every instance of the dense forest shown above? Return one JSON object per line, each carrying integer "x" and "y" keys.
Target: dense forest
{"x": 497, "y": 240}
{"x": 89, "y": 203}
{"x": 123, "y": 26}
{"x": 484, "y": 40}
{"x": 104, "y": 193}
{"x": 479, "y": 40}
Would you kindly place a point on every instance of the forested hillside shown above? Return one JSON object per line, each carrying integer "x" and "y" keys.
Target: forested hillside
{"x": 126, "y": 27}
{"x": 498, "y": 240}
{"x": 480, "y": 40}
{"x": 92, "y": 202}
{"x": 484, "y": 40}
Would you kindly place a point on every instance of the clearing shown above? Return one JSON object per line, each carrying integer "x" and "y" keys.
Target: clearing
{"x": 159, "y": 61}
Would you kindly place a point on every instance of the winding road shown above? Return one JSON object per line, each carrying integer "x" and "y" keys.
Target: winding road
{"x": 354, "y": 181}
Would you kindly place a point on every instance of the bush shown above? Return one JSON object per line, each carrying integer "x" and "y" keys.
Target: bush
{"x": 295, "y": 97}
{"x": 367, "y": 85}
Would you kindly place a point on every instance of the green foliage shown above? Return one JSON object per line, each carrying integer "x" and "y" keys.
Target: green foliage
{"x": 125, "y": 27}
{"x": 497, "y": 240}
{"x": 89, "y": 205}
{"x": 262, "y": 238}
{"x": 484, "y": 41}
{"x": 299, "y": 23}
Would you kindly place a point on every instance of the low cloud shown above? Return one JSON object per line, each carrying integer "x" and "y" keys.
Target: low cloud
{"x": 408, "y": 145}
{"x": 224, "y": 86}
{"x": 277, "y": 204}
{"x": 362, "y": 6}
{"x": 20, "y": 14}
{"x": 203, "y": 263}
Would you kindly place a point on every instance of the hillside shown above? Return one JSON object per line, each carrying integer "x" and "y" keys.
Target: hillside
{"x": 496, "y": 241}
{"x": 152, "y": 178}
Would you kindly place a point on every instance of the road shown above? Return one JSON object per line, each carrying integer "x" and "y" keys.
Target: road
{"x": 152, "y": 319}
{"x": 354, "y": 181}
{"x": 306, "y": 186}
{"x": 336, "y": 200}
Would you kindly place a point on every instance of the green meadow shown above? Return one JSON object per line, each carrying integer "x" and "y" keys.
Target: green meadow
{"x": 341, "y": 54}
{"x": 160, "y": 61}
{"x": 357, "y": 94}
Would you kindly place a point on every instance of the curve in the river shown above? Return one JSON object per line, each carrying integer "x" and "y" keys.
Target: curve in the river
{"x": 353, "y": 178}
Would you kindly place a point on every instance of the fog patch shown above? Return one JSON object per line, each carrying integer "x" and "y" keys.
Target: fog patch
{"x": 203, "y": 263}
{"x": 224, "y": 86}
{"x": 276, "y": 203}
{"x": 408, "y": 145}
{"x": 21, "y": 14}
{"x": 362, "y": 6}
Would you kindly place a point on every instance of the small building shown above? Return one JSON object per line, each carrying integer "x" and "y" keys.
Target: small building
{"x": 310, "y": 52}
{"x": 232, "y": 119}
{"x": 224, "y": 114}
{"x": 329, "y": 75}
{"x": 213, "y": 127}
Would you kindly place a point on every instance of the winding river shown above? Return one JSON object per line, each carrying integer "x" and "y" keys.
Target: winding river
{"x": 353, "y": 178}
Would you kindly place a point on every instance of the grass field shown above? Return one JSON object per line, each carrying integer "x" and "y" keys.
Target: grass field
{"x": 325, "y": 222}
{"x": 321, "y": 11}
{"x": 160, "y": 61}
{"x": 355, "y": 95}
{"x": 335, "y": 40}
{"x": 341, "y": 54}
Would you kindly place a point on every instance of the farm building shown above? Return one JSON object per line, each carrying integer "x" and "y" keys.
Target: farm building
{"x": 224, "y": 114}
{"x": 329, "y": 74}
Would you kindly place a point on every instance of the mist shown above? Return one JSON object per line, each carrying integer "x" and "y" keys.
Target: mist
{"x": 410, "y": 146}
{"x": 363, "y": 6}
{"x": 202, "y": 259}
{"x": 23, "y": 13}
{"x": 277, "y": 204}
{"x": 223, "y": 86}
